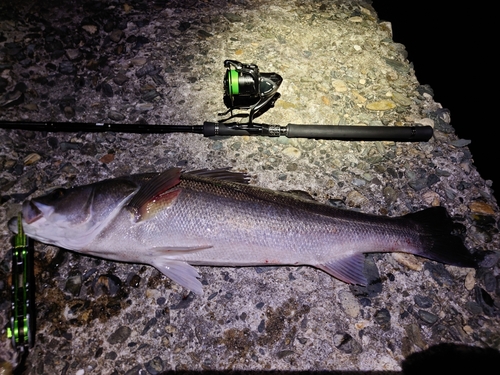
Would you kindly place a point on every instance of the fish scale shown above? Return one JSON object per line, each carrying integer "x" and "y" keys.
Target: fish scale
{"x": 173, "y": 220}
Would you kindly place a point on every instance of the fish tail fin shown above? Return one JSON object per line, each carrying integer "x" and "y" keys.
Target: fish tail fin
{"x": 439, "y": 242}
{"x": 436, "y": 238}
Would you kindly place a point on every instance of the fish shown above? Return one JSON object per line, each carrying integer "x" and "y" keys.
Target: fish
{"x": 175, "y": 220}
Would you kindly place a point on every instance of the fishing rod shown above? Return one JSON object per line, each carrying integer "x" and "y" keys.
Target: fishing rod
{"x": 245, "y": 88}
{"x": 209, "y": 129}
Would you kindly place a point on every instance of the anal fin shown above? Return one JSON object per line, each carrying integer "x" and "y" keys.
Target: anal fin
{"x": 348, "y": 269}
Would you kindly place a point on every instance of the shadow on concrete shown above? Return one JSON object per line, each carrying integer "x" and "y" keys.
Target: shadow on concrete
{"x": 437, "y": 360}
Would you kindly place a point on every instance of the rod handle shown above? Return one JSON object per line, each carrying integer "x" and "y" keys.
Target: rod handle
{"x": 361, "y": 133}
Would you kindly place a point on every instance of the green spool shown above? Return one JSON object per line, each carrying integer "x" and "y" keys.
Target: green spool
{"x": 234, "y": 88}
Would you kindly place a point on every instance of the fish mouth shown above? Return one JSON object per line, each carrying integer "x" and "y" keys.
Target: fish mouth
{"x": 12, "y": 224}
{"x": 31, "y": 212}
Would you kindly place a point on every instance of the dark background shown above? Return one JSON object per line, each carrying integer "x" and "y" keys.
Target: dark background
{"x": 454, "y": 49}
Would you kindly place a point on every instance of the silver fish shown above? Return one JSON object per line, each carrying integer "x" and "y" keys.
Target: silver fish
{"x": 173, "y": 220}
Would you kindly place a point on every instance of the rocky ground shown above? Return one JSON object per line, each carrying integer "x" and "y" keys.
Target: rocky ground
{"x": 161, "y": 62}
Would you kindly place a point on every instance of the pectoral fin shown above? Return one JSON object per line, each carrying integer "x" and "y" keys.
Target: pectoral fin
{"x": 154, "y": 194}
{"x": 348, "y": 269}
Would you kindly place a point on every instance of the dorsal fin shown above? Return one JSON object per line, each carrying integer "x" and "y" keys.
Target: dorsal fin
{"x": 221, "y": 174}
{"x": 151, "y": 196}
{"x": 299, "y": 194}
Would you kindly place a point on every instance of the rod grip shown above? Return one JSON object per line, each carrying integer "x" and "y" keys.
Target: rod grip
{"x": 361, "y": 133}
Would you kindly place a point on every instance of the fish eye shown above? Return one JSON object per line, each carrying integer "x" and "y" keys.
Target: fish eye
{"x": 58, "y": 193}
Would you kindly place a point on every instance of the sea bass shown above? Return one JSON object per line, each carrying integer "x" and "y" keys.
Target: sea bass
{"x": 173, "y": 220}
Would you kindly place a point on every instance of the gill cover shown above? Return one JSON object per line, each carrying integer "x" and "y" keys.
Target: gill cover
{"x": 72, "y": 218}
{"x": 66, "y": 207}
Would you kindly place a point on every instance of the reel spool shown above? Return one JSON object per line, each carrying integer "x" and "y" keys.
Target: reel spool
{"x": 245, "y": 88}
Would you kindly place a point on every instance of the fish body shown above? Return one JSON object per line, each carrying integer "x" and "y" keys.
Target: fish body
{"x": 173, "y": 220}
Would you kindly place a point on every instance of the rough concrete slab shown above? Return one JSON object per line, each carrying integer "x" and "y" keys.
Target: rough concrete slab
{"x": 161, "y": 62}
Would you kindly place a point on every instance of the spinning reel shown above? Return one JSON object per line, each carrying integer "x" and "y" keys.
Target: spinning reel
{"x": 245, "y": 88}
